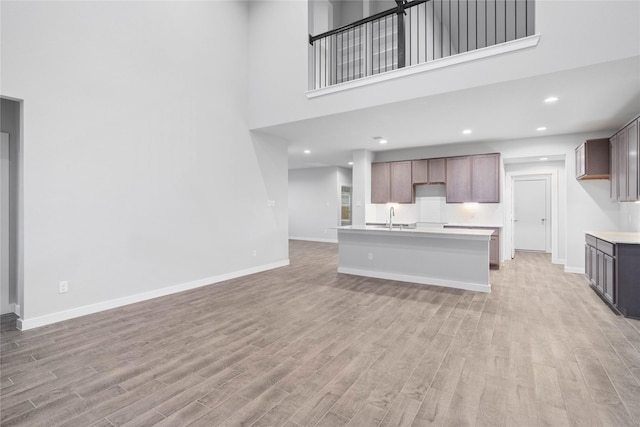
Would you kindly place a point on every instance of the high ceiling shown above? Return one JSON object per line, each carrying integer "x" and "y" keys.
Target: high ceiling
{"x": 595, "y": 98}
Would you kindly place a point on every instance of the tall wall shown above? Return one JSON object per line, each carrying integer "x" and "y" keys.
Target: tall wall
{"x": 140, "y": 174}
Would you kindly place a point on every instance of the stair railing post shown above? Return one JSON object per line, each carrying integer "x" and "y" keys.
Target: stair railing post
{"x": 401, "y": 36}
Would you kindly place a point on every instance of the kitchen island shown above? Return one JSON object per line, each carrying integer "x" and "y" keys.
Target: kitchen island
{"x": 455, "y": 257}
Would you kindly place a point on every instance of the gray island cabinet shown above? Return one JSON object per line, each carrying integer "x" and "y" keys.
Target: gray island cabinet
{"x": 612, "y": 266}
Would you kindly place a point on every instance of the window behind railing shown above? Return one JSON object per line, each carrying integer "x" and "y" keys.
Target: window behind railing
{"x": 415, "y": 32}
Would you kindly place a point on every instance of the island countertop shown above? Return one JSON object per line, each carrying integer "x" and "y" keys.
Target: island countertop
{"x": 466, "y": 233}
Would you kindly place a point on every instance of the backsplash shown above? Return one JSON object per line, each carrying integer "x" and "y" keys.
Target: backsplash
{"x": 435, "y": 209}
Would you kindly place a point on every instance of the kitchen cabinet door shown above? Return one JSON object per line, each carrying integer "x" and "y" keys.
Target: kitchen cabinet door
{"x": 593, "y": 254}
{"x": 458, "y": 179}
{"x": 437, "y": 171}
{"x": 485, "y": 178}
{"x": 621, "y": 142}
{"x": 380, "y": 182}
{"x": 580, "y": 160}
{"x": 401, "y": 185}
{"x": 632, "y": 161}
{"x": 608, "y": 278}
{"x": 613, "y": 165}
{"x": 420, "y": 171}
{"x": 494, "y": 250}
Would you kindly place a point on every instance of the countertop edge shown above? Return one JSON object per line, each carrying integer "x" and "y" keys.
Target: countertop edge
{"x": 617, "y": 237}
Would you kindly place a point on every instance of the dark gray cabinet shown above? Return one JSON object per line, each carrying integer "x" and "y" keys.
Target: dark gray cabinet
{"x": 473, "y": 179}
{"x": 613, "y": 270}
{"x": 592, "y": 159}
{"x": 625, "y": 163}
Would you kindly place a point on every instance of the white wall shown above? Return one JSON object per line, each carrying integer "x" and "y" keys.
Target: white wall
{"x": 140, "y": 173}
{"x": 587, "y": 202}
{"x": 599, "y": 31}
{"x": 314, "y": 202}
{"x": 630, "y": 216}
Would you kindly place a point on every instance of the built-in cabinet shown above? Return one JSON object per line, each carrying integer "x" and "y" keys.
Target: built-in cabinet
{"x": 613, "y": 270}
{"x": 467, "y": 178}
{"x": 592, "y": 159}
{"x": 624, "y": 163}
{"x": 599, "y": 266}
{"x": 391, "y": 182}
{"x": 429, "y": 171}
{"x": 401, "y": 186}
{"x": 473, "y": 179}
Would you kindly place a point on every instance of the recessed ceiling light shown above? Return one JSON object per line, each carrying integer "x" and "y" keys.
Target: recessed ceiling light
{"x": 350, "y": 163}
{"x": 307, "y": 151}
{"x": 466, "y": 131}
{"x": 382, "y": 141}
{"x": 541, "y": 128}
{"x": 551, "y": 99}
{"x": 542, "y": 159}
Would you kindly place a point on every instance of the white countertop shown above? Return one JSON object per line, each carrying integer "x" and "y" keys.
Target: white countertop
{"x": 624, "y": 237}
{"x": 454, "y": 224}
{"x": 439, "y": 231}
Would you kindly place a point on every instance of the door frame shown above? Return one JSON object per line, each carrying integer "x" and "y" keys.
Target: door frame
{"x": 16, "y": 224}
{"x": 5, "y": 227}
{"x": 551, "y": 226}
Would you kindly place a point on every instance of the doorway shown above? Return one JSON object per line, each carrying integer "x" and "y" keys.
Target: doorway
{"x": 12, "y": 291}
{"x": 531, "y": 213}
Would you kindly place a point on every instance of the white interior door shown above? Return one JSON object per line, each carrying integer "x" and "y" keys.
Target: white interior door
{"x": 5, "y": 307}
{"x": 530, "y": 214}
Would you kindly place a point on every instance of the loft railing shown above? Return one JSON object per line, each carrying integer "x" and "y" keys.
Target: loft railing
{"x": 415, "y": 32}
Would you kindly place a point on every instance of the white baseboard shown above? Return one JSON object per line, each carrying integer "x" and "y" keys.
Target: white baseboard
{"x": 558, "y": 261}
{"x": 478, "y": 287}
{"x": 577, "y": 270}
{"x": 25, "y": 324}
{"x": 313, "y": 239}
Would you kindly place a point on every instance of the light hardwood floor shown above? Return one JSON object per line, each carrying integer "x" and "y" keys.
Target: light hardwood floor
{"x": 303, "y": 346}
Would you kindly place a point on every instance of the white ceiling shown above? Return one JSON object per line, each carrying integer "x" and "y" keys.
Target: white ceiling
{"x": 596, "y": 98}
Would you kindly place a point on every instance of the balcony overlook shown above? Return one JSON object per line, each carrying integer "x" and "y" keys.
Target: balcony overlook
{"x": 411, "y": 33}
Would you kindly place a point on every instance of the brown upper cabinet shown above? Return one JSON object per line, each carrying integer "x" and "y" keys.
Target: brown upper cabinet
{"x": 428, "y": 171}
{"x": 473, "y": 179}
{"x": 380, "y": 182}
{"x": 401, "y": 186}
{"x": 467, "y": 178}
{"x": 624, "y": 161}
{"x": 391, "y": 182}
{"x": 592, "y": 159}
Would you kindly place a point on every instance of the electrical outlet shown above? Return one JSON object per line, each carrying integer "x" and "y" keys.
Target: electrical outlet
{"x": 370, "y": 255}
{"x": 63, "y": 287}
{"x": 255, "y": 253}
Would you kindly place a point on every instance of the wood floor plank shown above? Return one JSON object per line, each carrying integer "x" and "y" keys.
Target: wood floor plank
{"x": 302, "y": 345}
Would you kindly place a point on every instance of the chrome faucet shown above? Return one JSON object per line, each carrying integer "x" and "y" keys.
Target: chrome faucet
{"x": 392, "y": 213}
